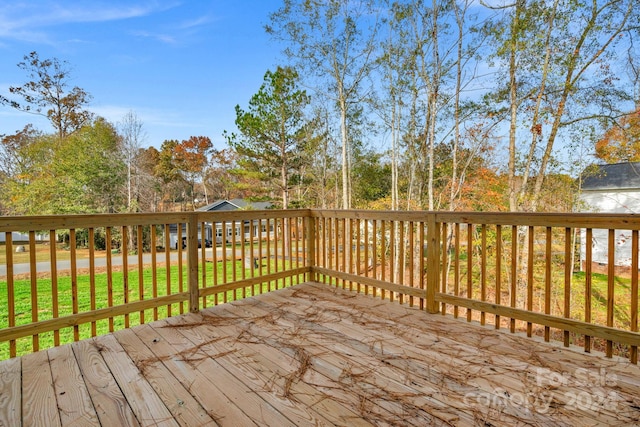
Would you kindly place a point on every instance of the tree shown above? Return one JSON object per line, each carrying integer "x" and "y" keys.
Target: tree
{"x": 225, "y": 179}
{"x": 12, "y": 151}
{"x": 132, "y": 134}
{"x": 273, "y": 131}
{"x": 190, "y": 159}
{"x": 151, "y": 186}
{"x": 560, "y": 77}
{"x": 89, "y": 164}
{"x": 77, "y": 174}
{"x": 621, "y": 143}
{"x": 46, "y": 94}
{"x": 334, "y": 41}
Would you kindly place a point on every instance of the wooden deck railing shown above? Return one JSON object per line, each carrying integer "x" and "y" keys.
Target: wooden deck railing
{"x": 517, "y": 272}
{"x": 141, "y": 272}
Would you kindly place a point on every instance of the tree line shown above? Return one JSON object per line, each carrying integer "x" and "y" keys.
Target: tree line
{"x": 413, "y": 104}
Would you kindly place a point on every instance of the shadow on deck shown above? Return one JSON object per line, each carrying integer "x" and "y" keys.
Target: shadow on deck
{"x": 316, "y": 355}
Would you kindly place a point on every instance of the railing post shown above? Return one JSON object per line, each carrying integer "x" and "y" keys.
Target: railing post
{"x": 192, "y": 263}
{"x": 433, "y": 262}
{"x": 311, "y": 246}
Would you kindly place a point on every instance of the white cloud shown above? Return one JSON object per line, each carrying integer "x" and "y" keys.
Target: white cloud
{"x": 26, "y": 21}
{"x": 165, "y": 38}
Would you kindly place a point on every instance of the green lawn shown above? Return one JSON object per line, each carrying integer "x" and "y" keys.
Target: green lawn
{"x": 24, "y": 312}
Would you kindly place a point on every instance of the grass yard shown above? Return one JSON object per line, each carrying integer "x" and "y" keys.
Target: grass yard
{"x": 44, "y": 299}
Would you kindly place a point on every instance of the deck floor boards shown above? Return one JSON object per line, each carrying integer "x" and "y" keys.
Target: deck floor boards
{"x": 317, "y": 355}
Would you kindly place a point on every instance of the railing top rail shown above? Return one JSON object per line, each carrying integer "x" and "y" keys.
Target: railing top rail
{"x": 570, "y": 220}
{"x": 51, "y": 222}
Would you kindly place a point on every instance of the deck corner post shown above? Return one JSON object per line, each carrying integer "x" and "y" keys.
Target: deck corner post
{"x": 311, "y": 247}
{"x": 192, "y": 263}
{"x": 433, "y": 263}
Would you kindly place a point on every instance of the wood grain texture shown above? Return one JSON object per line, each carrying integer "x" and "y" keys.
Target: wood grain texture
{"x": 184, "y": 408}
{"x": 143, "y": 400}
{"x": 39, "y": 406}
{"x": 10, "y": 392}
{"x": 315, "y": 354}
{"x": 74, "y": 402}
{"x": 110, "y": 404}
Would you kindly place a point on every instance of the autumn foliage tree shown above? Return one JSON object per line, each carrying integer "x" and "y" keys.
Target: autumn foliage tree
{"x": 621, "y": 143}
{"x": 47, "y": 94}
{"x": 191, "y": 157}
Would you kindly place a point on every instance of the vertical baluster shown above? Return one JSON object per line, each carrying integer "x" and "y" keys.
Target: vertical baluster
{"x": 392, "y": 254}
{"x": 633, "y": 350}
{"x": 456, "y": 267}
{"x": 345, "y": 247}
{"x": 214, "y": 246}
{"x": 445, "y": 271}
{"x": 154, "y": 269}
{"x": 411, "y": 259}
{"x": 181, "y": 252}
{"x": 92, "y": 278}
{"x": 180, "y": 265}
{"x": 530, "y": 268}
{"x": 289, "y": 222}
{"x": 109, "y": 247}
{"x": 252, "y": 271}
{"x": 421, "y": 238}
{"x": 568, "y": 269}
{"x": 374, "y": 255}
{"x": 367, "y": 262}
{"x": 498, "y": 298}
{"x": 358, "y": 254}
{"x": 74, "y": 280}
{"x": 33, "y": 275}
{"x": 243, "y": 257}
{"x": 53, "y": 263}
{"x": 611, "y": 271}
{"x": 287, "y": 248}
{"x": 167, "y": 258}
{"x": 203, "y": 258}
{"x": 260, "y": 248}
{"x": 330, "y": 246}
{"x": 588, "y": 245}
{"x": 125, "y": 271}
{"x": 139, "y": 249}
{"x": 469, "y": 267}
{"x": 234, "y": 255}
{"x": 514, "y": 274}
{"x": 383, "y": 258}
{"x": 225, "y": 235}
{"x": 11, "y": 301}
{"x": 483, "y": 269}
{"x": 269, "y": 251}
{"x": 547, "y": 280}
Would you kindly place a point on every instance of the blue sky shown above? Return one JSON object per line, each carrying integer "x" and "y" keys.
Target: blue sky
{"x": 181, "y": 66}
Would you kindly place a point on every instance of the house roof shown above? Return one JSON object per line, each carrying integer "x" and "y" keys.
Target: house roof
{"x": 617, "y": 176}
{"x": 234, "y": 204}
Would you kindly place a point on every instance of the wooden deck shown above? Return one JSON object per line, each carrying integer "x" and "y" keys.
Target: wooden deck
{"x": 315, "y": 355}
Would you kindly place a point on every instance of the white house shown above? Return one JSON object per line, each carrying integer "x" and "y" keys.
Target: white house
{"x": 613, "y": 188}
{"x": 17, "y": 237}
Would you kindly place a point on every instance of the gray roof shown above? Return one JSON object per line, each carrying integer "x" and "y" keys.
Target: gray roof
{"x": 617, "y": 176}
{"x": 234, "y": 204}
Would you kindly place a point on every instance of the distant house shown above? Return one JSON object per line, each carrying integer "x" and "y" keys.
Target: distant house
{"x": 613, "y": 188}
{"x": 17, "y": 237}
{"x": 243, "y": 230}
